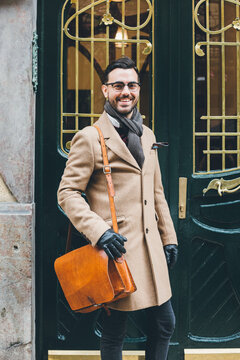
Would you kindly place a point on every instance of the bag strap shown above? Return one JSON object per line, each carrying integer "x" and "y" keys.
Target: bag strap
{"x": 107, "y": 172}
{"x": 69, "y": 238}
{"x": 111, "y": 192}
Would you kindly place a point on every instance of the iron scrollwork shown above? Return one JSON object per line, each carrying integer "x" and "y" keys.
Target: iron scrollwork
{"x": 107, "y": 20}
{"x": 235, "y": 24}
{"x": 223, "y": 186}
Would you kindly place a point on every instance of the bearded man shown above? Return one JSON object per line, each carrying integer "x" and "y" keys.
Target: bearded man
{"x": 146, "y": 233}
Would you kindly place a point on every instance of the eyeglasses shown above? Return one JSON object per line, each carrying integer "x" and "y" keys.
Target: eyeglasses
{"x": 118, "y": 86}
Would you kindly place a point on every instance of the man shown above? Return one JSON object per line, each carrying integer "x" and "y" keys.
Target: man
{"x": 146, "y": 233}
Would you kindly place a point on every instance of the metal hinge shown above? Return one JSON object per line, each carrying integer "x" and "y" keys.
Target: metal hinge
{"x": 35, "y": 61}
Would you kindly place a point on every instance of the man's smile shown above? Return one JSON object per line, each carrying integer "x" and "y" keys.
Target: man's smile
{"x": 125, "y": 99}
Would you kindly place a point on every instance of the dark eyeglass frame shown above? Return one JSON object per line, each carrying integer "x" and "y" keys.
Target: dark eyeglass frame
{"x": 123, "y": 85}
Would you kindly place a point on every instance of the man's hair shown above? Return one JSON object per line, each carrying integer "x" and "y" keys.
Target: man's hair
{"x": 123, "y": 63}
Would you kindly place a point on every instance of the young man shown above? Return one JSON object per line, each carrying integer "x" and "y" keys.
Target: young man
{"x": 146, "y": 233}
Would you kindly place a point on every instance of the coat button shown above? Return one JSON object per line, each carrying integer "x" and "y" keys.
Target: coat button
{"x": 146, "y": 230}
{"x": 145, "y": 202}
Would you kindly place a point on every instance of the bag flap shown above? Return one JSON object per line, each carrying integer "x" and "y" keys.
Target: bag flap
{"x": 83, "y": 276}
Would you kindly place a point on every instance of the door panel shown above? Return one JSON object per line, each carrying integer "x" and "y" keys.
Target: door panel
{"x": 70, "y": 98}
{"x": 214, "y": 266}
{"x": 212, "y": 230}
{"x": 90, "y": 39}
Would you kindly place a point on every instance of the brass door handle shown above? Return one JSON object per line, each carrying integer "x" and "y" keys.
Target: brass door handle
{"x": 182, "y": 198}
{"x": 223, "y": 186}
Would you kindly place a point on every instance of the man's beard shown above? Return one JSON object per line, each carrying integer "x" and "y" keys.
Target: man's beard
{"x": 122, "y": 112}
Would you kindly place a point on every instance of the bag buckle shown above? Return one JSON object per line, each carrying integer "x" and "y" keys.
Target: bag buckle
{"x": 107, "y": 169}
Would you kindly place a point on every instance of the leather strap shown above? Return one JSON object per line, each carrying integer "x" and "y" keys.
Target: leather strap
{"x": 107, "y": 172}
{"x": 69, "y": 238}
{"x": 111, "y": 192}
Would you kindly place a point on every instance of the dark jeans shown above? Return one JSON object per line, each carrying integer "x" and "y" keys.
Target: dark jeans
{"x": 161, "y": 324}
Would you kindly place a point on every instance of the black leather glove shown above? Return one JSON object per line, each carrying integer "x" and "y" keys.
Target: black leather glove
{"x": 171, "y": 253}
{"x": 112, "y": 243}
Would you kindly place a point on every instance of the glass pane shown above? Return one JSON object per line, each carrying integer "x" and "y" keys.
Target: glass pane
{"x": 216, "y": 162}
{"x": 216, "y": 125}
{"x": 70, "y": 101}
{"x": 215, "y": 59}
{"x": 215, "y": 143}
{"x": 69, "y": 123}
{"x": 230, "y": 143}
{"x": 89, "y": 43}
{"x": 201, "y": 158}
{"x": 231, "y": 81}
{"x": 231, "y": 161}
{"x": 201, "y": 126}
{"x": 231, "y": 125}
{"x": 217, "y": 85}
{"x": 216, "y": 81}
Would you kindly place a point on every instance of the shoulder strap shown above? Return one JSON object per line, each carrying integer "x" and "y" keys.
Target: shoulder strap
{"x": 107, "y": 172}
{"x": 111, "y": 193}
{"x": 69, "y": 238}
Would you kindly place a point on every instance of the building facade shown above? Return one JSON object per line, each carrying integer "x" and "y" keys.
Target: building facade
{"x": 17, "y": 280}
{"x": 53, "y": 55}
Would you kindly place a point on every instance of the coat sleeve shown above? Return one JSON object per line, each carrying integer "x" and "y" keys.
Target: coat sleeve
{"x": 79, "y": 168}
{"x": 165, "y": 223}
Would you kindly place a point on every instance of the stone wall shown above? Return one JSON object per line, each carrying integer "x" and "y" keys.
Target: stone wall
{"x": 17, "y": 104}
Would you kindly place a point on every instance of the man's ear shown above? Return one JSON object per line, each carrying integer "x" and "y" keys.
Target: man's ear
{"x": 105, "y": 91}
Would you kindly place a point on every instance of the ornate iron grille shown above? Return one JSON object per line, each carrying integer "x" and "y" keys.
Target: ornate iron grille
{"x": 216, "y": 86}
{"x": 94, "y": 33}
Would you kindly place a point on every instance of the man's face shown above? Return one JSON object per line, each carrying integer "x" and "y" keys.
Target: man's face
{"x": 123, "y": 101}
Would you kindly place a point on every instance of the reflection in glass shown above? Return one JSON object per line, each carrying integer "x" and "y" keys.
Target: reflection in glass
{"x": 216, "y": 125}
{"x": 215, "y": 143}
{"x": 201, "y": 158}
{"x": 216, "y": 162}
{"x": 231, "y": 143}
{"x": 231, "y": 125}
{"x": 231, "y": 81}
{"x": 231, "y": 161}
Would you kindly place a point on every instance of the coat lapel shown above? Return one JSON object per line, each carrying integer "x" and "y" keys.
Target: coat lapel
{"x": 114, "y": 142}
{"x": 146, "y": 145}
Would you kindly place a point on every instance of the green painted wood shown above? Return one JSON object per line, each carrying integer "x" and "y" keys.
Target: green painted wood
{"x": 48, "y": 171}
{"x": 209, "y": 236}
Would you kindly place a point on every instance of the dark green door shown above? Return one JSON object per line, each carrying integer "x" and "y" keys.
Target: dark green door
{"x": 210, "y": 159}
{"x": 192, "y": 102}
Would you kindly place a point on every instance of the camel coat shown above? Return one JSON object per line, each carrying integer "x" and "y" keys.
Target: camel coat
{"x": 142, "y": 211}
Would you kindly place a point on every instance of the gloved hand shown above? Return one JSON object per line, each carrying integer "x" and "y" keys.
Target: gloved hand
{"x": 171, "y": 253}
{"x": 112, "y": 243}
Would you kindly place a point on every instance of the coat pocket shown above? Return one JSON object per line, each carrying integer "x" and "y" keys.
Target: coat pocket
{"x": 120, "y": 219}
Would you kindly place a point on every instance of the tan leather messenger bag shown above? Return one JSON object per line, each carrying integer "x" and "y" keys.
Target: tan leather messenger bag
{"x": 88, "y": 278}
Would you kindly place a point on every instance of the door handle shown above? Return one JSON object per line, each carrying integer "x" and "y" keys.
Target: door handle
{"x": 223, "y": 186}
{"x": 182, "y": 197}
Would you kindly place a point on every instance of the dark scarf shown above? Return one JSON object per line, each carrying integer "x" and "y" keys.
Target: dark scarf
{"x": 135, "y": 131}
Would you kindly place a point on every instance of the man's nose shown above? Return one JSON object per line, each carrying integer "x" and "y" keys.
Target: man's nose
{"x": 125, "y": 90}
